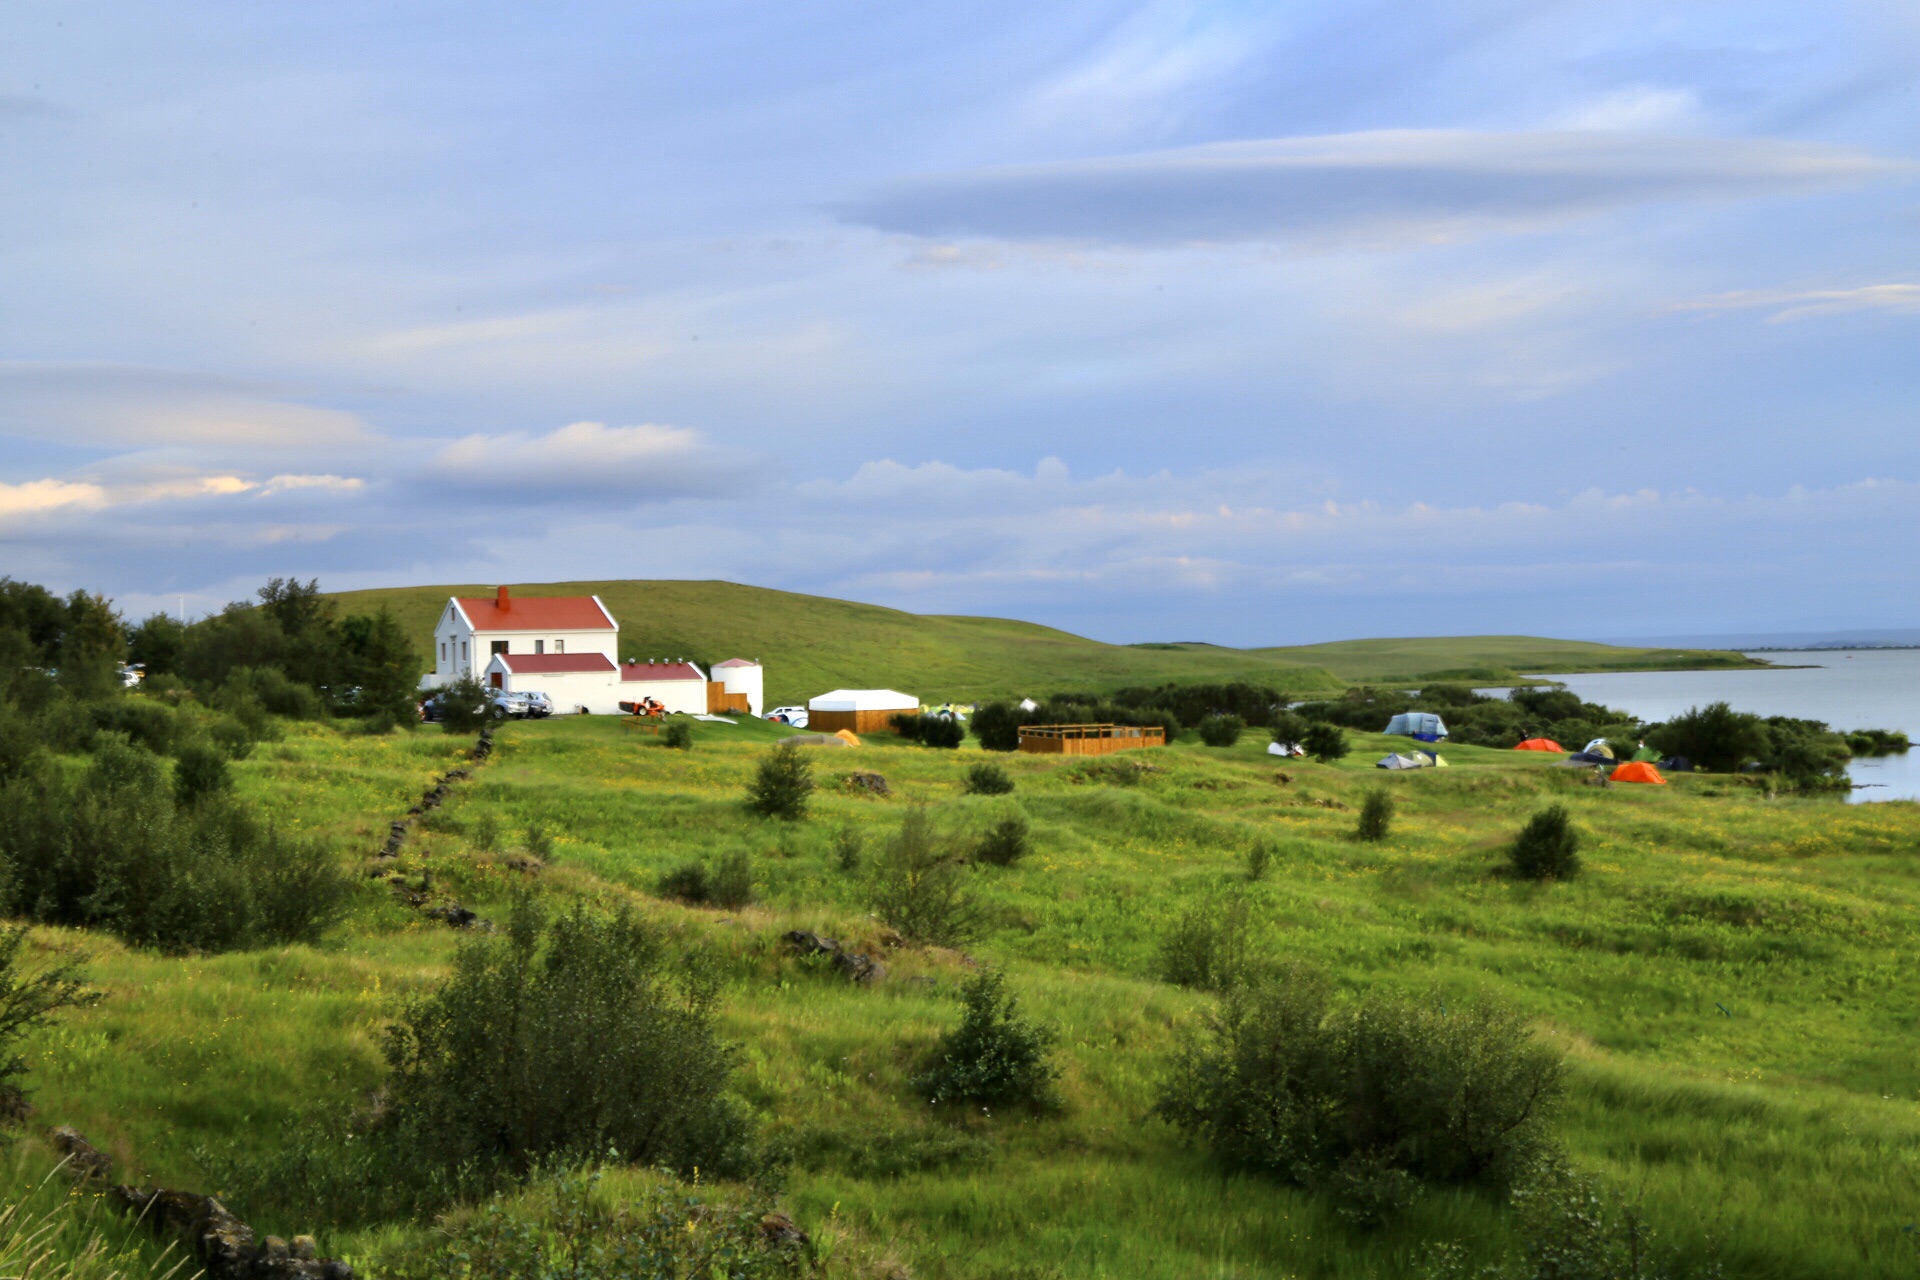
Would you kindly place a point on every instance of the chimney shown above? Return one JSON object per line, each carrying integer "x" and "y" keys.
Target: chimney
{"x": 501, "y": 602}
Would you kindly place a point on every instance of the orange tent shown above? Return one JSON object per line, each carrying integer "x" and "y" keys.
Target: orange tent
{"x": 1636, "y": 771}
{"x": 1539, "y": 744}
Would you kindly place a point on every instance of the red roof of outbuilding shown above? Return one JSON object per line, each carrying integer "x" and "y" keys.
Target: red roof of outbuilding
{"x": 543, "y": 664}
{"x": 537, "y": 613}
{"x": 736, "y": 662}
{"x": 660, "y": 671}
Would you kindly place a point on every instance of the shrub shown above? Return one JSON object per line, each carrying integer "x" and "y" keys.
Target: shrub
{"x": 782, "y": 784}
{"x": 200, "y": 771}
{"x": 270, "y": 687}
{"x": 847, "y": 847}
{"x": 569, "y": 1228}
{"x": 1714, "y": 737}
{"x": 1221, "y": 731}
{"x": 1207, "y": 946}
{"x": 465, "y": 705}
{"x": 997, "y": 726}
{"x": 1336, "y": 1094}
{"x": 231, "y": 735}
{"x": 539, "y": 841}
{"x": 946, "y": 732}
{"x": 1288, "y": 727}
{"x": 565, "y": 1040}
{"x": 1325, "y": 742}
{"x": 29, "y": 1001}
{"x": 919, "y": 887}
{"x": 484, "y": 831}
{"x": 1376, "y": 815}
{"x": 1005, "y": 842}
{"x": 731, "y": 885}
{"x": 687, "y": 882}
{"x": 145, "y": 723}
{"x": 1259, "y": 859}
{"x": 113, "y": 849}
{"x": 996, "y": 1056}
{"x": 986, "y": 779}
{"x": 1547, "y": 848}
{"x": 679, "y": 735}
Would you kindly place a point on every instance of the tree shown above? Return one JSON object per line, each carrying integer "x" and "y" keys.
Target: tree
{"x": 782, "y": 784}
{"x": 1714, "y": 737}
{"x": 464, "y": 705}
{"x": 1325, "y": 743}
{"x": 382, "y": 663}
{"x": 1288, "y": 727}
{"x": 92, "y": 646}
{"x": 1547, "y": 848}
{"x": 997, "y": 726}
{"x": 918, "y": 884}
{"x": 1376, "y": 815}
{"x": 155, "y": 645}
{"x": 29, "y": 1001}
{"x": 1221, "y": 730}
{"x": 995, "y": 1056}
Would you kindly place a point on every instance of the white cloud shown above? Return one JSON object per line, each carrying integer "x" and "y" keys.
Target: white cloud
{"x": 38, "y": 496}
{"x": 640, "y": 464}
{"x": 1635, "y": 107}
{"x": 129, "y": 406}
{"x": 1899, "y": 297}
{"x": 1392, "y": 185}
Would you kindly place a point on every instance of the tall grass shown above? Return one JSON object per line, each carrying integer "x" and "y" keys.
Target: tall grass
{"x": 51, "y": 1229}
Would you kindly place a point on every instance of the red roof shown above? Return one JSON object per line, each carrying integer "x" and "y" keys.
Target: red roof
{"x": 542, "y": 664}
{"x": 660, "y": 671}
{"x": 536, "y": 613}
{"x": 736, "y": 662}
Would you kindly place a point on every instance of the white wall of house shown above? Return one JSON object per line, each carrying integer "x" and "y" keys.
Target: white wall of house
{"x": 688, "y": 696}
{"x": 597, "y": 691}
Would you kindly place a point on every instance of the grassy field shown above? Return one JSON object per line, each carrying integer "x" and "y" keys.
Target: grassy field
{"x": 811, "y": 644}
{"x": 1733, "y": 978}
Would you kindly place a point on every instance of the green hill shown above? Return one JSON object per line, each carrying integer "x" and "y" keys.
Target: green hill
{"x": 811, "y": 643}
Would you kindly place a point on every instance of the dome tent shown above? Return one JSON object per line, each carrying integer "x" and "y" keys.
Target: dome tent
{"x": 1636, "y": 771}
{"x": 1423, "y": 725}
{"x": 1398, "y": 761}
{"x": 1539, "y": 744}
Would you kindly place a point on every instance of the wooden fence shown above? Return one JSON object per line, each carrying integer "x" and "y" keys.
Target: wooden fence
{"x": 1089, "y": 739}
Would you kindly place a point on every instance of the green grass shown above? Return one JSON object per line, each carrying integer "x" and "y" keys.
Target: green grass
{"x": 811, "y": 644}
{"x": 1733, "y": 978}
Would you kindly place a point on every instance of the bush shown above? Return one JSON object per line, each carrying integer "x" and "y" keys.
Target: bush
{"x": 573, "y": 1039}
{"x": 465, "y": 706}
{"x": 1288, "y": 727}
{"x": 919, "y": 886}
{"x": 1547, "y": 848}
{"x": 1207, "y": 946}
{"x": 995, "y": 1057}
{"x": 731, "y": 885}
{"x": 986, "y": 779}
{"x": 997, "y": 726}
{"x": 1343, "y": 1095}
{"x": 782, "y": 784}
{"x": 930, "y": 730}
{"x": 113, "y": 849}
{"x": 539, "y": 841}
{"x": 569, "y": 1228}
{"x": 273, "y": 690}
{"x": 231, "y": 735}
{"x": 688, "y": 882}
{"x": 679, "y": 735}
{"x": 1259, "y": 859}
{"x": 1325, "y": 743}
{"x": 29, "y": 1001}
{"x": 198, "y": 772}
{"x": 847, "y": 847}
{"x": 1221, "y": 731}
{"x": 484, "y": 831}
{"x": 1005, "y": 842}
{"x": 1714, "y": 737}
{"x": 1376, "y": 815}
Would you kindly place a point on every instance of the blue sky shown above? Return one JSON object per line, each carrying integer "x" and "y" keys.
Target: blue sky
{"x": 1254, "y": 323}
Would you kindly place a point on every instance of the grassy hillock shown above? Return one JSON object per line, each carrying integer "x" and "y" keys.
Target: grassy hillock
{"x": 811, "y": 644}
{"x": 1731, "y": 978}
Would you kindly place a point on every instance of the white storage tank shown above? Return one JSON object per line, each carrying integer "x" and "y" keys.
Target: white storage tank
{"x": 741, "y": 676}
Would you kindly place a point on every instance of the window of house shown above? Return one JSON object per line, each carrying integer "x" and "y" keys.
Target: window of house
{"x": 559, "y": 646}
{"x": 499, "y": 646}
{"x": 539, "y": 646}
{"x": 443, "y": 653}
{"x": 463, "y": 651}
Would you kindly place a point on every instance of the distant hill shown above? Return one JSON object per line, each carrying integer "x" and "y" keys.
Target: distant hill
{"x": 810, "y": 644}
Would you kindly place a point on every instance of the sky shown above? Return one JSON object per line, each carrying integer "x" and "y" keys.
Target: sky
{"x": 1254, "y": 323}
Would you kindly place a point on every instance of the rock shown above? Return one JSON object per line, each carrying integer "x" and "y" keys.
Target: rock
{"x": 454, "y": 914}
{"x": 527, "y": 863}
{"x": 777, "y": 1231}
{"x": 1282, "y": 778}
{"x": 871, "y": 783}
{"x": 856, "y": 965}
{"x": 84, "y": 1160}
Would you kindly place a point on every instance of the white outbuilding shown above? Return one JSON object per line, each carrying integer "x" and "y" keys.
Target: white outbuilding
{"x": 743, "y": 678}
{"x": 861, "y": 710}
{"x": 680, "y": 687}
{"x": 574, "y": 681}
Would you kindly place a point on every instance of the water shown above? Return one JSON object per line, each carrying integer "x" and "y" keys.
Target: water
{"x": 1847, "y": 688}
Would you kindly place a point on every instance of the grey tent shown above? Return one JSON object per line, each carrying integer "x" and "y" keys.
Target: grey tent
{"x": 1398, "y": 761}
{"x": 1423, "y": 725}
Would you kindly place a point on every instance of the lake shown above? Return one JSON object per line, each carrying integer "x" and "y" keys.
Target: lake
{"x": 1847, "y": 688}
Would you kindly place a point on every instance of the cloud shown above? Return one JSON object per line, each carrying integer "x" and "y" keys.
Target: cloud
{"x": 22, "y": 504}
{"x": 38, "y": 496}
{"x": 1421, "y": 184}
{"x": 124, "y": 405}
{"x": 1899, "y": 297}
{"x": 648, "y": 463}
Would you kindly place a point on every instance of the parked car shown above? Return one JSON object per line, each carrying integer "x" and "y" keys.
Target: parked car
{"x": 532, "y": 705}
{"x": 795, "y": 716}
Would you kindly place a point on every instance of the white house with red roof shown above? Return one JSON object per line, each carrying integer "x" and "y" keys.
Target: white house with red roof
{"x": 473, "y": 629}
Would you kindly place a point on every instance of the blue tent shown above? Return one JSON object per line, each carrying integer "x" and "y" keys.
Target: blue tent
{"x": 1423, "y": 725}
